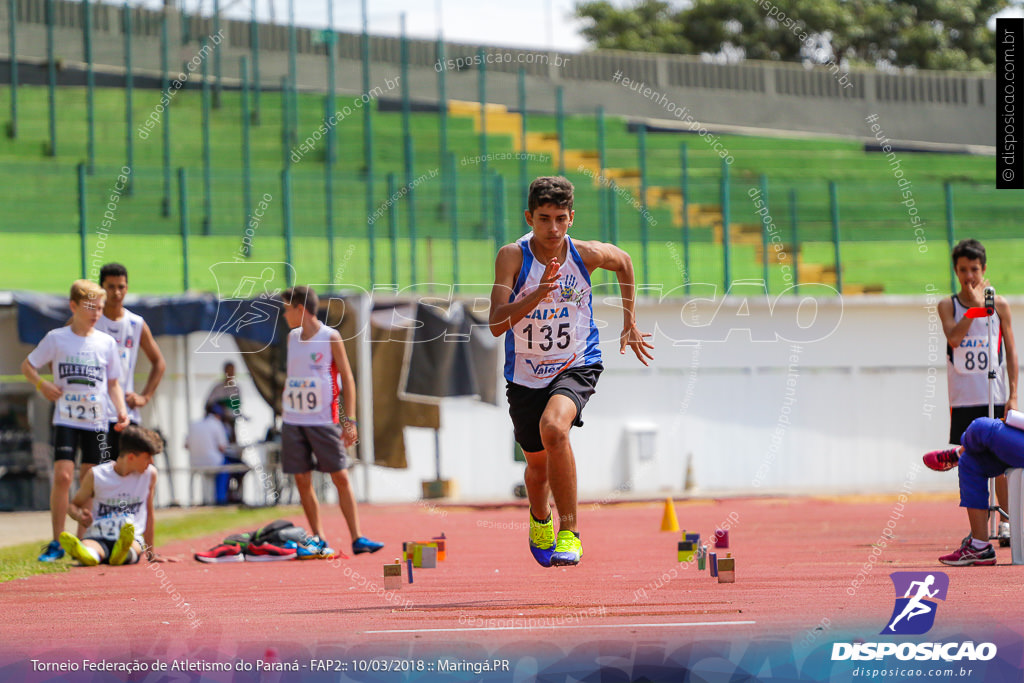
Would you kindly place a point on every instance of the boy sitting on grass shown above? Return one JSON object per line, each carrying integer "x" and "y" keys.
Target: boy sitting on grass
{"x": 122, "y": 503}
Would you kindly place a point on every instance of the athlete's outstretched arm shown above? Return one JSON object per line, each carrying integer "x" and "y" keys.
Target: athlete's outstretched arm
{"x": 608, "y": 256}
{"x": 504, "y": 313}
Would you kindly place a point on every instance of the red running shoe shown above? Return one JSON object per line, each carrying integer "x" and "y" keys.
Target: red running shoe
{"x": 967, "y": 554}
{"x": 221, "y": 553}
{"x": 266, "y": 552}
{"x": 942, "y": 461}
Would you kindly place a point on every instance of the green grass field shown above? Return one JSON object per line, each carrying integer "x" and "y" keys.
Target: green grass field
{"x": 155, "y": 263}
{"x": 19, "y": 561}
{"x": 42, "y": 208}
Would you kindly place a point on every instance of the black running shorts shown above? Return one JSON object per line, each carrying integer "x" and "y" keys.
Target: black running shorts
{"x": 962, "y": 416}
{"x": 95, "y": 446}
{"x": 526, "y": 405}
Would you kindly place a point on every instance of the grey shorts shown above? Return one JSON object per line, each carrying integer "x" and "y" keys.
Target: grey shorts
{"x": 300, "y": 443}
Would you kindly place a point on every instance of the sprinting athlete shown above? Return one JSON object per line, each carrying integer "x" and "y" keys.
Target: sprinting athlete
{"x": 541, "y": 302}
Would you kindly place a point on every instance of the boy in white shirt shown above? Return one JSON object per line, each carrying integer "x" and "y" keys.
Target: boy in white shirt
{"x": 86, "y": 366}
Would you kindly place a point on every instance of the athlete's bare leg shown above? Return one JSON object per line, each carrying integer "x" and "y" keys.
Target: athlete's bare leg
{"x": 554, "y": 434}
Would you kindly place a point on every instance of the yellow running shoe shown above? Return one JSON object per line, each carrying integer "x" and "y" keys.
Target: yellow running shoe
{"x": 76, "y": 550}
{"x": 542, "y": 540}
{"x": 568, "y": 550}
{"x": 125, "y": 538}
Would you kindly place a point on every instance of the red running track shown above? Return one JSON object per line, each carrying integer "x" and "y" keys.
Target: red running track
{"x": 799, "y": 577}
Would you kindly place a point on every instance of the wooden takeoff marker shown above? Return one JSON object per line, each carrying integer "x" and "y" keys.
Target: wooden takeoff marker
{"x": 425, "y": 556}
{"x": 393, "y": 575}
{"x": 727, "y": 570}
{"x": 441, "y": 545}
{"x": 686, "y": 550}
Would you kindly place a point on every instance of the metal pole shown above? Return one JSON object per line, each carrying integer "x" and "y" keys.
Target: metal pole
{"x": 329, "y": 194}
{"x": 393, "y": 229}
{"x": 453, "y": 217}
{"x": 12, "y": 38}
{"x": 524, "y": 167}
{"x": 948, "y": 189}
{"x": 499, "y": 211}
{"x": 330, "y": 107}
{"x": 217, "y": 73}
{"x": 293, "y": 74}
{"x": 207, "y": 189}
{"x": 129, "y": 137}
{"x": 332, "y": 39}
{"x": 286, "y": 190}
{"x": 642, "y": 151}
{"x": 82, "y": 221}
{"x": 764, "y": 232}
{"x": 368, "y": 139}
{"x": 602, "y": 188}
{"x": 410, "y": 201}
{"x": 685, "y": 161}
{"x": 165, "y": 85}
{"x": 183, "y": 222}
{"x": 482, "y": 87}
{"x": 613, "y": 224}
{"x": 243, "y": 68}
{"x": 51, "y": 77}
{"x": 254, "y": 40}
{"x": 727, "y": 274}
{"x": 285, "y": 124}
{"x": 834, "y": 205}
{"x": 442, "y": 111}
{"x": 90, "y": 86}
{"x": 796, "y": 241}
{"x": 560, "y": 122}
{"x": 442, "y": 100}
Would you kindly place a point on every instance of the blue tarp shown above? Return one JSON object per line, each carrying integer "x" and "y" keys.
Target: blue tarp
{"x": 257, "y": 319}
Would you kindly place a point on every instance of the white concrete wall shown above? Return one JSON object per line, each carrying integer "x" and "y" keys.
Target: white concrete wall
{"x": 866, "y": 398}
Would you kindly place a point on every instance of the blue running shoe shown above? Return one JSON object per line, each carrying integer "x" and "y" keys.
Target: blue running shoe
{"x": 542, "y": 540}
{"x": 568, "y": 550}
{"x": 365, "y": 545}
{"x": 315, "y": 548}
{"x": 51, "y": 552}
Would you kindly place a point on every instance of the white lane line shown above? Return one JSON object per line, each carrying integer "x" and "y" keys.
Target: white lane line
{"x": 535, "y": 628}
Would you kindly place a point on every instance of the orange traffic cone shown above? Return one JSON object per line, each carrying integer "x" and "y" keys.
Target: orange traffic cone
{"x": 668, "y": 520}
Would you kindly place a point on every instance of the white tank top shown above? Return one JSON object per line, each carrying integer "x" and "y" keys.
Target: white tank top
{"x": 117, "y": 500}
{"x": 311, "y": 391}
{"x": 967, "y": 365}
{"x": 127, "y": 332}
{"x": 559, "y": 333}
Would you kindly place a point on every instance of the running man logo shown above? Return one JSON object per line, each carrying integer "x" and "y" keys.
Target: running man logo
{"x": 914, "y": 613}
{"x": 246, "y": 304}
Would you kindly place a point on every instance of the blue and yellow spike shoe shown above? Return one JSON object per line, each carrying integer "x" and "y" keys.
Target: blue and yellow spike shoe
{"x": 77, "y": 550}
{"x": 125, "y": 538}
{"x": 568, "y": 550}
{"x": 542, "y": 540}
